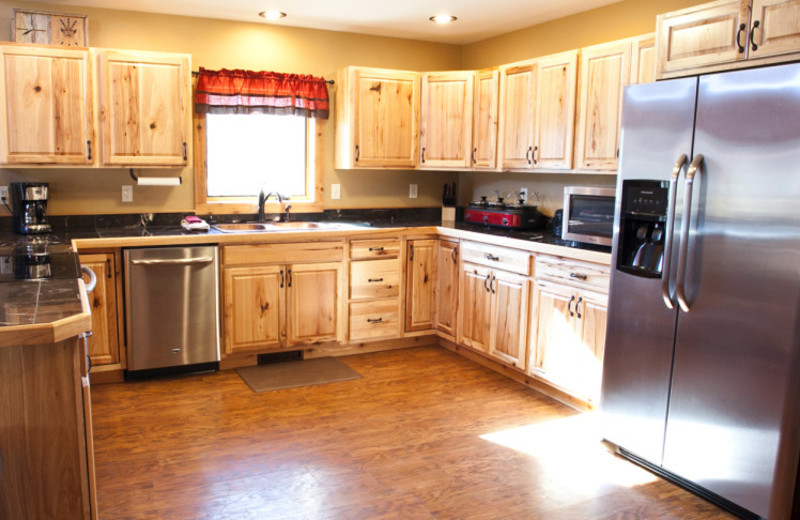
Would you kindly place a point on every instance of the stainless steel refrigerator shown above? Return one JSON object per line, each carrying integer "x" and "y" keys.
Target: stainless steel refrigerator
{"x": 701, "y": 376}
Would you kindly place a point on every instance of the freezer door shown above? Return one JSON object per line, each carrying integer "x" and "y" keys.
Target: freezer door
{"x": 733, "y": 416}
{"x": 657, "y": 126}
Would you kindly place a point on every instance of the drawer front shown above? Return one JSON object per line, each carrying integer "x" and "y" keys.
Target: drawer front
{"x": 372, "y": 320}
{"x": 283, "y": 253}
{"x": 585, "y": 274}
{"x": 495, "y": 256}
{"x": 375, "y": 279}
{"x": 383, "y": 248}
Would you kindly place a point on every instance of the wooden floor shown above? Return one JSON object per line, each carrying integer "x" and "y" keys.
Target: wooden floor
{"x": 425, "y": 434}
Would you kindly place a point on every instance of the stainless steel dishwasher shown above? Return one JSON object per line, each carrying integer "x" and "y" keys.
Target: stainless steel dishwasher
{"x": 172, "y": 307}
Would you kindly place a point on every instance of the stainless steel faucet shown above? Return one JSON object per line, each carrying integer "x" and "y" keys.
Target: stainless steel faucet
{"x": 262, "y": 199}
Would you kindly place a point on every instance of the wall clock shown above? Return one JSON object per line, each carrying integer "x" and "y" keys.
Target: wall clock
{"x": 50, "y": 28}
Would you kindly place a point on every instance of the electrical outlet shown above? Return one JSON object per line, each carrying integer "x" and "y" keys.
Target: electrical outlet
{"x": 523, "y": 194}
{"x": 336, "y": 191}
{"x": 412, "y": 191}
{"x": 127, "y": 193}
{"x": 4, "y": 194}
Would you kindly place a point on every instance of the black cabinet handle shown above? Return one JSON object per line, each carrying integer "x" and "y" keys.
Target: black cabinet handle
{"x": 753, "y": 43}
{"x": 411, "y": 252}
{"x": 376, "y": 249}
{"x": 453, "y": 255}
{"x": 578, "y": 276}
{"x": 281, "y": 278}
{"x": 108, "y": 263}
{"x": 491, "y": 284}
{"x": 358, "y": 153}
{"x": 569, "y": 306}
{"x": 377, "y": 320}
{"x": 535, "y": 149}
{"x": 423, "y": 154}
{"x": 529, "y": 154}
{"x": 89, "y": 150}
{"x": 739, "y": 33}
{"x": 490, "y": 256}
{"x": 185, "y": 153}
{"x": 289, "y": 272}
{"x": 374, "y": 280}
{"x": 486, "y": 282}
{"x": 474, "y": 151}
{"x": 577, "y": 304}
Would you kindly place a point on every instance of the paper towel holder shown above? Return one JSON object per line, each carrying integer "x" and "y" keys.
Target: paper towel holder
{"x": 159, "y": 181}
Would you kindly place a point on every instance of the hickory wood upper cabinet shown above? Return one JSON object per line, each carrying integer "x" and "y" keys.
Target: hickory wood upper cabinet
{"x": 727, "y": 34}
{"x": 145, "y": 108}
{"x": 377, "y": 118}
{"x": 537, "y": 112}
{"x": 46, "y": 107}
{"x": 445, "y": 130}
{"x": 278, "y": 296}
{"x": 605, "y": 70}
{"x": 643, "y": 59}
{"x": 484, "y": 119}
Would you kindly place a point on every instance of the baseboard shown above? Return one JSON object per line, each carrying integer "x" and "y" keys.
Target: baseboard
{"x": 519, "y": 376}
{"x": 100, "y": 377}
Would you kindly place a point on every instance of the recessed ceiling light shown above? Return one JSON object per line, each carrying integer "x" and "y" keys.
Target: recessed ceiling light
{"x": 272, "y": 15}
{"x": 443, "y": 18}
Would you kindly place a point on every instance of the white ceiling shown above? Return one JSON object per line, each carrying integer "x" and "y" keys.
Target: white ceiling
{"x": 477, "y": 19}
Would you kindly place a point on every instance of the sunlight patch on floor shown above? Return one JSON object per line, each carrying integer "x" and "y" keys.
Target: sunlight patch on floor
{"x": 573, "y": 452}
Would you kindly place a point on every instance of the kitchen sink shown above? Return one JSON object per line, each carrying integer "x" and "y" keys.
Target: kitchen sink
{"x": 300, "y": 225}
{"x": 266, "y": 227}
{"x": 239, "y": 227}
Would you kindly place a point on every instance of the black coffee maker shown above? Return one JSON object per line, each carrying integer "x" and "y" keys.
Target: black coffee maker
{"x": 29, "y": 207}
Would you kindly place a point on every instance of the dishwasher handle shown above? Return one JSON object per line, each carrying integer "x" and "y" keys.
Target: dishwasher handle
{"x": 175, "y": 261}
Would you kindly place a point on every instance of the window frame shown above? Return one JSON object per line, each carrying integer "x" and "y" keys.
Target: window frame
{"x": 315, "y": 130}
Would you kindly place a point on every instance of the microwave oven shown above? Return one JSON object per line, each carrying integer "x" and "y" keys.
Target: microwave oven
{"x": 588, "y": 215}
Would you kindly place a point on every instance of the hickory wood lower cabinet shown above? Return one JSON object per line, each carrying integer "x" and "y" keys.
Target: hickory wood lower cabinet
{"x": 374, "y": 292}
{"x": 420, "y": 284}
{"x": 281, "y": 295}
{"x": 446, "y": 288}
{"x": 105, "y": 342}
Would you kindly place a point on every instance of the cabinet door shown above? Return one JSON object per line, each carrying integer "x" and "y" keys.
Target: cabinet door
{"x": 445, "y": 132}
{"x": 255, "y": 299}
{"x": 517, "y": 98}
{"x": 446, "y": 286}
{"x": 590, "y": 315}
{"x": 484, "y": 126}
{"x": 643, "y": 59}
{"x": 45, "y": 108}
{"x": 778, "y": 30}
{"x": 605, "y": 70}
{"x": 104, "y": 341}
{"x": 385, "y": 118}
{"x": 144, "y": 108}
{"x": 420, "y": 283}
{"x": 555, "y": 111}
{"x": 701, "y": 36}
{"x": 556, "y": 349}
{"x": 509, "y": 318}
{"x": 313, "y": 304}
{"x": 474, "y": 307}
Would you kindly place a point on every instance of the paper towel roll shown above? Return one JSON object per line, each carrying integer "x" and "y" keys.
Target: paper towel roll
{"x": 158, "y": 181}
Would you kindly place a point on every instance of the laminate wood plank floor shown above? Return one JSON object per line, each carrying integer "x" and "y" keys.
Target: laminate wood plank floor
{"x": 425, "y": 434}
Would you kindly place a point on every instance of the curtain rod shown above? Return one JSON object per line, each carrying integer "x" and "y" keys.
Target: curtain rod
{"x": 328, "y": 81}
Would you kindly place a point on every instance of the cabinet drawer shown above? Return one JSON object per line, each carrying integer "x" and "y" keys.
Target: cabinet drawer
{"x": 283, "y": 253}
{"x": 495, "y": 256}
{"x": 587, "y": 274}
{"x": 374, "y": 279}
{"x": 383, "y": 248}
{"x": 370, "y": 320}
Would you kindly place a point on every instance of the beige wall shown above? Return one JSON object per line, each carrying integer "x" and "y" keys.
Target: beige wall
{"x": 259, "y": 46}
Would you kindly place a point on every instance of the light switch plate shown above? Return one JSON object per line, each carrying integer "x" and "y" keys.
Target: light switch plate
{"x": 336, "y": 191}
{"x": 127, "y": 193}
{"x": 523, "y": 194}
{"x": 412, "y": 191}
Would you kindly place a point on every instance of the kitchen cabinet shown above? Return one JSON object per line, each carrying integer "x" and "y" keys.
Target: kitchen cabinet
{"x": 727, "y": 34}
{"x": 145, "y": 108}
{"x": 643, "y": 59}
{"x": 105, "y": 341}
{"x": 281, "y": 296}
{"x": 46, "y": 108}
{"x": 445, "y": 134}
{"x": 446, "y": 288}
{"x": 484, "y": 119}
{"x": 374, "y": 293}
{"x": 605, "y": 70}
{"x": 421, "y": 277}
{"x": 493, "y": 302}
{"x": 537, "y": 108}
{"x": 377, "y": 118}
{"x": 569, "y": 324}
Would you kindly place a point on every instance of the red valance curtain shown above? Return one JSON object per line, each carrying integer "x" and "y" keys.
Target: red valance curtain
{"x": 246, "y": 91}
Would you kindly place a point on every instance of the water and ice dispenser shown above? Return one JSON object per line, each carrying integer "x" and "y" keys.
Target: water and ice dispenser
{"x": 642, "y": 225}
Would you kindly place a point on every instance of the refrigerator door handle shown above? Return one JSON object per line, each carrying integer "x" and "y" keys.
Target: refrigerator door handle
{"x": 680, "y": 164}
{"x": 682, "y": 252}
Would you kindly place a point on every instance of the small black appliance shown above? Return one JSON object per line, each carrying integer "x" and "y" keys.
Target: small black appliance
{"x": 29, "y": 207}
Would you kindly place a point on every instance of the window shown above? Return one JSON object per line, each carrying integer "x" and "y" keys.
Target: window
{"x": 242, "y": 154}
